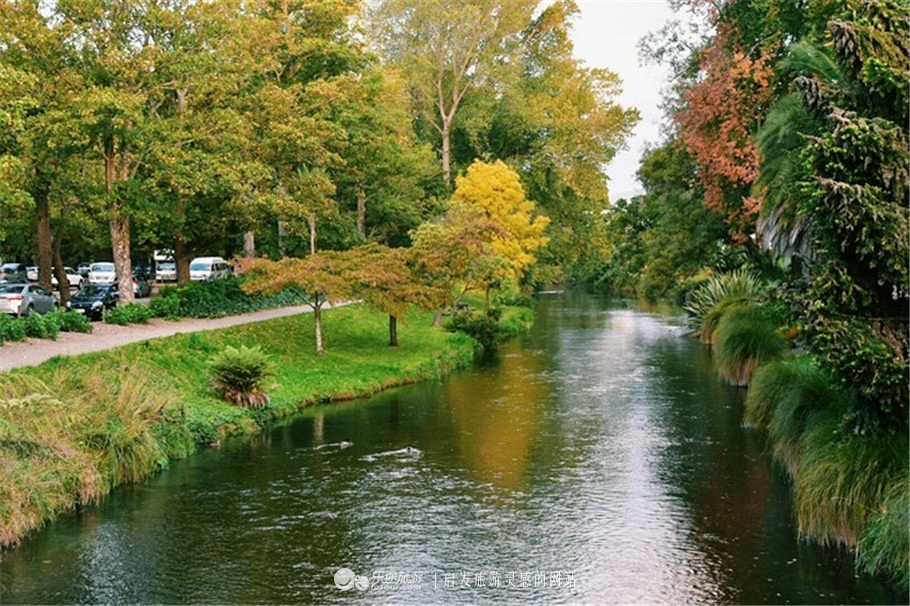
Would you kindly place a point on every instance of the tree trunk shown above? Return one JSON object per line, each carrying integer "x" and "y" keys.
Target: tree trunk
{"x": 182, "y": 261}
{"x": 362, "y": 213}
{"x": 120, "y": 242}
{"x": 437, "y": 319}
{"x": 249, "y": 245}
{"x": 311, "y": 220}
{"x": 446, "y": 153}
{"x": 317, "y": 321}
{"x": 116, "y": 169}
{"x": 60, "y": 273}
{"x": 393, "y": 331}
{"x": 43, "y": 210}
{"x": 281, "y": 250}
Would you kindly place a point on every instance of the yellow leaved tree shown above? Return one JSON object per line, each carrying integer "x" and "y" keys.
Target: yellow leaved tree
{"x": 488, "y": 237}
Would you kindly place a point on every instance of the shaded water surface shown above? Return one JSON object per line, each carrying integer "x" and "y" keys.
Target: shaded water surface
{"x": 597, "y": 459}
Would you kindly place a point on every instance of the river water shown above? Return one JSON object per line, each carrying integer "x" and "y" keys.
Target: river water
{"x": 597, "y": 459}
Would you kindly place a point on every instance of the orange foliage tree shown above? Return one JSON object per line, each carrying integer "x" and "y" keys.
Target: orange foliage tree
{"x": 719, "y": 114}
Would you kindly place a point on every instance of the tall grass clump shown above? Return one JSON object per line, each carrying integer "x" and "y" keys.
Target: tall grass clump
{"x": 885, "y": 547}
{"x": 708, "y": 303}
{"x": 842, "y": 480}
{"x": 745, "y": 338}
{"x": 782, "y": 399}
{"x": 238, "y": 373}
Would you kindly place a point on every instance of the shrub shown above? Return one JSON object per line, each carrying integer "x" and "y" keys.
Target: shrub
{"x": 745, "y": 337}
{"x": 483, "y": 327}
{"x": 238, "y": 373}
{"x": 167, "y": 306}
{"x": 134, "y": 313}
{"x": 70, "y": 321}
{"x": 11, "y": 329}
{"x": 708, "y": 302}
{"x": 41, "y": 327}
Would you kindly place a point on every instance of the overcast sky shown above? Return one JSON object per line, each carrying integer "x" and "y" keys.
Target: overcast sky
{"x": 605, "y": 35}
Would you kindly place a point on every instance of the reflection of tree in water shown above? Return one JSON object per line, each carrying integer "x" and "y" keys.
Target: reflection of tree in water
{"x": 497, "y": 415}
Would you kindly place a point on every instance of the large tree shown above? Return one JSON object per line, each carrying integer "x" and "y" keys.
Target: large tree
{"x": 447, "y": 49}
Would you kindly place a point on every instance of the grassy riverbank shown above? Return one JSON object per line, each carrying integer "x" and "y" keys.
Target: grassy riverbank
{"x": 75, "y": 427}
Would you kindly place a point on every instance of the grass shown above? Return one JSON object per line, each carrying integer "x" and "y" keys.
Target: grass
{"x": 849, "y": 488}
{"x": 745, "y": 338}
{"x": 75, "y": 427}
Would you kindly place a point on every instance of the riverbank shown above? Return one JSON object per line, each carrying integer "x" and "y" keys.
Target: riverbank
{"x": 75, "y": 427}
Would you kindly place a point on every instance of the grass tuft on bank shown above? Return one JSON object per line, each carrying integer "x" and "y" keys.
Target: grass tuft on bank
{"x": 76, "y": 427}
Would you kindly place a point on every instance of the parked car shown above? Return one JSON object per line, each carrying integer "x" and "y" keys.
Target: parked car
{"x": 83, "y": 269}
{"x": 72, "y": 276}
{"x": 142, "y": 270}
{"x": 31, "y": 273}
{"x": 141, "y": 287}
{"x": 102, "y": 273}
{"x": 93, "y": 300}
{"x": 209, "y": 268}
{"x": 166, "y": 271}
{"x": 24, "y": 299}
{"x": 13, "y": 273}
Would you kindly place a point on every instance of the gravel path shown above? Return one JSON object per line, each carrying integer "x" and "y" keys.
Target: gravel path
{"x": 107, "y": 336}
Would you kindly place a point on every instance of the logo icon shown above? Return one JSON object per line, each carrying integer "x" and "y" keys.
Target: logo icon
{"x": 346, "y": 579}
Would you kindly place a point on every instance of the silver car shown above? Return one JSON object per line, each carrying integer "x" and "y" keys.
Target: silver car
{"x": 23, "y": 299}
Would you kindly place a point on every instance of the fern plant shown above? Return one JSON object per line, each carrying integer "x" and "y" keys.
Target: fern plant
{"x": 238, "y": 374}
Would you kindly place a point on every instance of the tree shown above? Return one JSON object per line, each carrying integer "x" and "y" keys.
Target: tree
{"x": 488, "y": 237}
{"x": 321, "y": 277}
{"x": 446, "y": 49}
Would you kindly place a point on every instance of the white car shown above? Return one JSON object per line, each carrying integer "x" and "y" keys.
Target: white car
{"x": 74, "y": 278}
{"x": 102, "y": 273}
{"x": 166, "y": 271}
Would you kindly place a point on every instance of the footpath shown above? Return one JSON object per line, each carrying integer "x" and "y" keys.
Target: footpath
{"x": 107, "y": 336}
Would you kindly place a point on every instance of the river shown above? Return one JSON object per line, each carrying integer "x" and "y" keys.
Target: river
{"x": 596, "y": 459}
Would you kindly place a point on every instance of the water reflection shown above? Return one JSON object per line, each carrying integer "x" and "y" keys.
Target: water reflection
{"x": 598, "y": 459}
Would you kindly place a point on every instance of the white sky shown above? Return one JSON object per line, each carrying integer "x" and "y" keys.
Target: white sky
{"x": 605, "y": 35}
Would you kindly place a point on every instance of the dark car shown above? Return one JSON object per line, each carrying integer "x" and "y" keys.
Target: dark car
{"x": 93, "y": 300}
{"x": 142, "y": 270}
{"x": 141, "y": 288}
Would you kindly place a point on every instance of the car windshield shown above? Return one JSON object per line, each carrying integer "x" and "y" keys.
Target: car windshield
{"x": 8, "y": 289}
{"x": 166, "y": 265}
{"x": 103, "y": 267}
{"x": 92, "y": 291}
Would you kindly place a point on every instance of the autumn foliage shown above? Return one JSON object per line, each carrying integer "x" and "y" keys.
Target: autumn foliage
{"x": 718, "y": 117}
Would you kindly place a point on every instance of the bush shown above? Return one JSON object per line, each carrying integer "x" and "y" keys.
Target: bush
{"x": 41, "y": 327}
{"x": 11, "y": 329}
{"x": 70, "y": 321}
{"x": 745, "y": 337}
{"x": 167, "y": 306}
{"x": 483, "y": 327}
{"x": 237, "y": 375}
{"x": 215, "y": 299}
{"x": 133, "y": 313}
{"x": 885, "y": 547}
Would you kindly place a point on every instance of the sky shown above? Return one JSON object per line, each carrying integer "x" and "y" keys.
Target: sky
{"x": 606, "y": 36}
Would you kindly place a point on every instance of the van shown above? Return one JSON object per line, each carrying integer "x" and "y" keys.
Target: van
{"x": 209, "y": 268}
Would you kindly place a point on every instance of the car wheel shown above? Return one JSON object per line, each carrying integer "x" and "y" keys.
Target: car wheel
{"x": 28, "y": 311}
